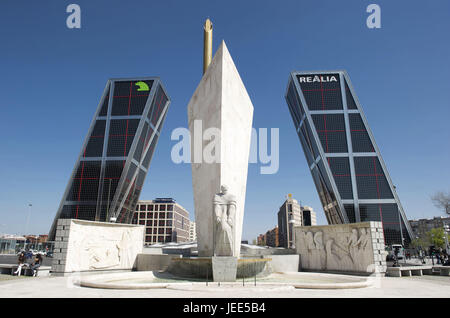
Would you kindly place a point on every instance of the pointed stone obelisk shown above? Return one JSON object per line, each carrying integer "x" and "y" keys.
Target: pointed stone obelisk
{"x": 221, "y": 102}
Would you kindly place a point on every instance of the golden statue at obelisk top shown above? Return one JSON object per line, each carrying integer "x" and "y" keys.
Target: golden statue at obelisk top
{"x": 207, "y": 44}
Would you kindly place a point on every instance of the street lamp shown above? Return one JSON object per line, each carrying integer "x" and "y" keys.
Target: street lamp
{"x": 446, "y": 230}
{"x": 432, "y": 249}
{"x": 30, "y": 206}
{"x": 28, "y": 218}
{"x": 107, "y": 207}
{"x": 401, "y": 235}
{"x": 421, "y": 252}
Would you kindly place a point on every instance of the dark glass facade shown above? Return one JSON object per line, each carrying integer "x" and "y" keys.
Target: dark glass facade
{"x": 115, "y": 158}
{"x": 306, "y": 218}
{"x": 350, "y": 176}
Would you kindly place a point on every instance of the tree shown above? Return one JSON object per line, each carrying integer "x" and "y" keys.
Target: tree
{"x": 437, "y": 237}
{"x": 434, "y": 237}
{"x": 441, "y": 200}
{"x": 420, "y": 243}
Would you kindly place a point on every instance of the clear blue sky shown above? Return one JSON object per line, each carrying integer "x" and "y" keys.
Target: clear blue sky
{"x": 52, "y": 79}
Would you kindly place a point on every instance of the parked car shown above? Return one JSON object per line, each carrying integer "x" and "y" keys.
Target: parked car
{"x": 391, "y": 254}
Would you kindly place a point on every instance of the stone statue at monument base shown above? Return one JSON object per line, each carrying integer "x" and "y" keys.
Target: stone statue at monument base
{"x": 224, "y": 205}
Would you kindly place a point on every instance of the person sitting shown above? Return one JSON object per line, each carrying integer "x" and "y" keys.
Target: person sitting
{"x": 21, "y": 262}
{"x": 446, "y": 260}
{"x": 36, "y": 265}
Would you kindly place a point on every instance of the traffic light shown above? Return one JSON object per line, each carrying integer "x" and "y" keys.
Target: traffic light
{"x": 432, "y": 249}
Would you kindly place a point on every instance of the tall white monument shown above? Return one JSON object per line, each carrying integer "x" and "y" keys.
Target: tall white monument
{"x": 220, "y": 102}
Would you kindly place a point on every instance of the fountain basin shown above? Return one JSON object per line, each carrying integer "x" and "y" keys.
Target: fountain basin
{"x": 273, "y": 282}
{"x": 201, "y": 267}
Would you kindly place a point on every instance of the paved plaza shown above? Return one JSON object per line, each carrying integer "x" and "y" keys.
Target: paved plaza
{"x": 388, "y": 287}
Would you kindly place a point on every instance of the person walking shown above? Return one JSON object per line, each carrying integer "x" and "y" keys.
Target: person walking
{"x": 441, "y": 256}
{"x": 21, "y": 262}
{"x": 36, "y": 265}
{"x": 423, "y": 256}
{"x": 438, "y": 256}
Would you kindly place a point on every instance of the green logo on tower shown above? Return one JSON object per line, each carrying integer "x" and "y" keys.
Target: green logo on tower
{"x": 142, "y": 86}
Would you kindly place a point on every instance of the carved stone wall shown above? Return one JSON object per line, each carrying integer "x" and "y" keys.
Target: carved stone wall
{"x": 88, "y": 246}
{"x": 355, "y": 247}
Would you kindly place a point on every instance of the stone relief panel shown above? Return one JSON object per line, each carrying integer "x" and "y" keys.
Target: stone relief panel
{"x": 343, "y": 247}
{"x": 103, "y": 246}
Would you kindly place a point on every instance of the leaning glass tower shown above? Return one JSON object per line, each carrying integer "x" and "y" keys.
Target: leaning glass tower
{"x": 346, "y": 165}
{"x": 109, "y": 173}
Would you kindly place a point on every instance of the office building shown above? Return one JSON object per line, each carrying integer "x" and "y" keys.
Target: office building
{"x": 272, "y": 237}
{"x": 115, "y": 157}
{"x": 292, "y": 214}
{"x": 308, "y": 216}
{"x": 346, "y": 165}
{"x": 261, "y": 240}
{"x": 165, "y": 221}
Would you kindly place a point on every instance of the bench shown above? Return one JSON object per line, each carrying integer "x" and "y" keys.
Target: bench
{"x": 26, "y": 270}
{"x": 409, "y": 271}
{"x": 442, "y": 270}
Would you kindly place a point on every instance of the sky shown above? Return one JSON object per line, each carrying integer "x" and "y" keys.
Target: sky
{"x": 53, "y": 78}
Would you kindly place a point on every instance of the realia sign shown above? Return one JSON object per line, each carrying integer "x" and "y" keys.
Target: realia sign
{"x": 318, "y": 79}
